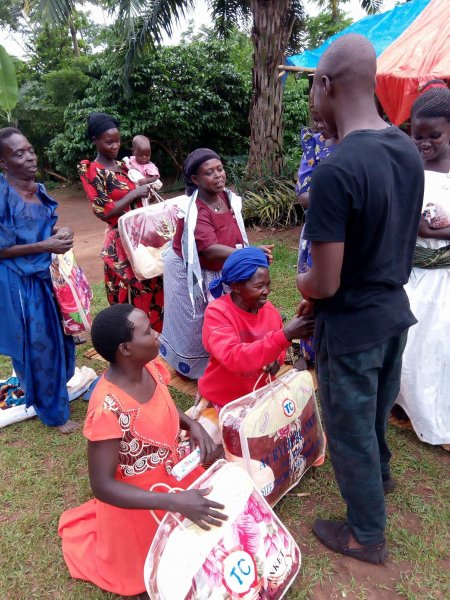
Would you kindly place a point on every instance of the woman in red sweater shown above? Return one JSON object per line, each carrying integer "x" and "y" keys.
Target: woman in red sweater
{"x": 243, "y": 331}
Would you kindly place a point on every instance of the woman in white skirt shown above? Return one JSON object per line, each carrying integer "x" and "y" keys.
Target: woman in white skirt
{"x": 425, "y": 386}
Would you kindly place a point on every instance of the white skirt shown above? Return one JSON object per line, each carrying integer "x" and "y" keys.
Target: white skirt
{"x": 425, "y": 383}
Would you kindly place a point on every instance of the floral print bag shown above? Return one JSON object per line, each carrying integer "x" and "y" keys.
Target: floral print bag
{"x": 72, "y": 292}
{"x": 252, "y": 556}
{"x": 275, "y": 433}
{"x": 145, "y": 233}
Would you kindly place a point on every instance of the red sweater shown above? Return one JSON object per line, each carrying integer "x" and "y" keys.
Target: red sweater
{"x": 240, "y": 344}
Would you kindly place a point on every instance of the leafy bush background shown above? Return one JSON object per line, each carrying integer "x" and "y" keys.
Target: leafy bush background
{"x": 183, "y": 97}
{"x": 186, "y": 96}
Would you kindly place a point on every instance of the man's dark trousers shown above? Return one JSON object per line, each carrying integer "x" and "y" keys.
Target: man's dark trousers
{"x": 357, "y": 392}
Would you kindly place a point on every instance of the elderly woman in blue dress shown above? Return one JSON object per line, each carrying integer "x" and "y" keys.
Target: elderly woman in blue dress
{"x": 31, "y": 334}
{"x": 211, "y": 229}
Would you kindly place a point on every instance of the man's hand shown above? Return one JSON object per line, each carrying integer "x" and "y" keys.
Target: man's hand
{"x": 305, "y": 308}
{"x": 299, "y": 328}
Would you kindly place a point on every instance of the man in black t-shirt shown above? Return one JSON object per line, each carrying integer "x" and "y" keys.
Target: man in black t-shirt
{"x": 365, "y": 203}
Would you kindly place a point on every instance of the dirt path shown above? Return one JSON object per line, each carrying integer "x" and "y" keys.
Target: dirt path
{"x": 75, "y": 210}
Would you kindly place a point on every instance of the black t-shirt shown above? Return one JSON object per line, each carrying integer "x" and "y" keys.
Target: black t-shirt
{"x": 367, "y": 194}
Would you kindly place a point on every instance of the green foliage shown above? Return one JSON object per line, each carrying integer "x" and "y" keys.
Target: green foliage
{"x": 241, "y": 53}
{"x": 372, "y": 6}
{"x": 295, "y": 116}
{"x": 37, "y": 117}
{"x": 182, "y": 97}
{"x": 235, "y": 166}
{"x": 323, "y": 26}
{"x": 296, "y": 41}
{"x": 10, "y": 12}
{"x": 50, "y": 80}
{"x": 54, "y": 11}
{"x": 272, "y": 204}
{"x": 50, "y": 49}
{"x": 9, "y": 91}
{"x": 40, "y": 109}
{"x": 65, "y": 86}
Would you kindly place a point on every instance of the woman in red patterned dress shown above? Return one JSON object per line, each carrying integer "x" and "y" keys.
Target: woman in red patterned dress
{"x": 111, "y": 194}
{"x": 132, "y": 426}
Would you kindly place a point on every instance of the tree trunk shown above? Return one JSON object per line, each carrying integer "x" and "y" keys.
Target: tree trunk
{"x": 272, "y": 26}
{"x": 73, "y": 33}
{"x": 334, "y": 5}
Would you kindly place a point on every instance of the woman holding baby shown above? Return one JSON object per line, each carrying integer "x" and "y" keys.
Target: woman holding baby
{"x": 112, "y": 192}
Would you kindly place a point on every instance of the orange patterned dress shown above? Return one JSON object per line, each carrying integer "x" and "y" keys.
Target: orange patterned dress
{"x": 103, "y": 188}
{"x": 104, "y": 544}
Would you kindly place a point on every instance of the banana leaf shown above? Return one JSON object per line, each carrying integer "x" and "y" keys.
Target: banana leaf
{"x": 9, "y": 90}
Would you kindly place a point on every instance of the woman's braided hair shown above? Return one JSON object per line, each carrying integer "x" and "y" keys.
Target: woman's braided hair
{"x": 433, "y": 102}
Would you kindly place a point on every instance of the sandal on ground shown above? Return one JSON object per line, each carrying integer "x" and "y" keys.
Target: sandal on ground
{"x": 336, "y": 536}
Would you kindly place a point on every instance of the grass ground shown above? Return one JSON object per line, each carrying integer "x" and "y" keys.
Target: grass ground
{"x": 44, "y": 473}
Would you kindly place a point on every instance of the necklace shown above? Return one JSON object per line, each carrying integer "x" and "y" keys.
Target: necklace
{"x": 216, "y": 206}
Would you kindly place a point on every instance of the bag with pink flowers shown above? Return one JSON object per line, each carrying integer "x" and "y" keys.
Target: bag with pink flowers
{"x": 252, "y": 556}
{"x": 72, "y": 292}
{"x": 275, "y": 433}
{"x": 146, "y": 232}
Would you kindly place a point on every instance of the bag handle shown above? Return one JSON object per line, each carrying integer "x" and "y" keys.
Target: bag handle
{"x": 170, "y": 490}
{"x": 268, "y": 375}
{"x": 155, "y": 195}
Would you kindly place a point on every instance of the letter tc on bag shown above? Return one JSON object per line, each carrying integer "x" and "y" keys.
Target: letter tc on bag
{"x": 239, "y": 572}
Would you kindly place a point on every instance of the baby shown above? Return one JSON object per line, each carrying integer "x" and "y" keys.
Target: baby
{"x": 140, "y": 169}
{"x": 436, "y": 216}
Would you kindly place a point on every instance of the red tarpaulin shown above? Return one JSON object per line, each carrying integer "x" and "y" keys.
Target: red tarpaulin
{"x": 421, "y": 53}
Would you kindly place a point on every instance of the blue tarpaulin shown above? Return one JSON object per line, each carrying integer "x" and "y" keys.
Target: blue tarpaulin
{"x": 381, "y": 29}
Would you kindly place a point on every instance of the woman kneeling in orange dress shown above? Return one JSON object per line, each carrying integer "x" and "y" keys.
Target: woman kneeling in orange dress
{"x": 133, "y": 428}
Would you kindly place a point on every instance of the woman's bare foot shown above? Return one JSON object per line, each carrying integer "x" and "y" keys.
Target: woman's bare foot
{"x": 68, "y": 427}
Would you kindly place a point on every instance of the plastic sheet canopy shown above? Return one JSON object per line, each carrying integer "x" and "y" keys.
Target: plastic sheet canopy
{"x": 412, "y": 43}
{"x": 421, "y": 53}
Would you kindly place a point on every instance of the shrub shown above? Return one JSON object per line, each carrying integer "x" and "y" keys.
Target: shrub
{"x": 271, "y": 204}
{"x": 295, "y": 116}
{"x": 183, "y": 97}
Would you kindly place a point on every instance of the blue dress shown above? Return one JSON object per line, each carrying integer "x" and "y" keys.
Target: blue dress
{"x": 31, "y": 333}
{"x": 314, "y": 150}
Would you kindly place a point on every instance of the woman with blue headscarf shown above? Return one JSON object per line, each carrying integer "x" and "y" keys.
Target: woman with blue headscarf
{"x": 211, "y": 230}
{"x": 243, "y": 331}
